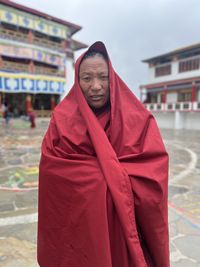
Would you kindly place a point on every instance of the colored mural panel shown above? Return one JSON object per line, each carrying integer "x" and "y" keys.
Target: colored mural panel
{"x": 39, "y": 55}
{"x": 55, "y": 30}
{"x": 13, "y": 83}
{"x": 64, "y": 33}
{"x": 54, "y": 60}
{"x": 12, "y": 51}
{"x": 28, "y": 21}
{"x": 41, "y": 26}
{"x": 28, "y": 53}
{"x": 8, "y": 16}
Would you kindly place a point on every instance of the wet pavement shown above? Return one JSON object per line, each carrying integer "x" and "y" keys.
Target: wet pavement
{"x": 19, "y": 158}
{"x": 184, "y": 196}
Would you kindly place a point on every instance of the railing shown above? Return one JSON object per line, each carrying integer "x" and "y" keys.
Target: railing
{"x": 13, "y": 35}
{"x": 45, "y": 42}
{"x": 14, "y": 66}
{"x": 48, "y": 71}
{"x": 178, "y": 106}
{"x": 23, "y": 67}
{"x": 20, "y": 36}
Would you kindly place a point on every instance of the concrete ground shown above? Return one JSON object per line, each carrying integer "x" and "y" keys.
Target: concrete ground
{"x": 19, "y": 158}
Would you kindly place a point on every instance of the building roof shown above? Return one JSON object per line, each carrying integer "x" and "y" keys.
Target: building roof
{"x": 180, "y": 52}
{"x": 74, "y": 28}
{"x": 170, "y": 83}
{"x": 76, "y": 45}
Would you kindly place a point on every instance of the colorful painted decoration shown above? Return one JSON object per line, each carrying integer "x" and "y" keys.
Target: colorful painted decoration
{"x": 10, "y": 82}
{"x": 25, "y": 20}
{"x": 29, "y": 53}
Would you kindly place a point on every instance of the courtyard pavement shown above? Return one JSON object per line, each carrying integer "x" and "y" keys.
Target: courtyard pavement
{"x": 19, "y": 158}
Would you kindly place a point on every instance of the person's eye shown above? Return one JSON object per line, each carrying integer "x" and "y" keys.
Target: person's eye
{"x": 86, "y": 79}
{"x": 104, "y": 77}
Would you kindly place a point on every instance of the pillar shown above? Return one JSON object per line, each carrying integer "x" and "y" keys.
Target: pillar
{"x": 28, "y": 104}
{"x": 65, "y": 72}
{"x": 179, "y": 120}
{"x": 165, "y": 95}
{"x": 69, "y": 68}
{"x": 31, "y": 67}
{"x": 143, "y": 94}
{"x": 1, "y": 63}
{"x": 30, "y": 36}
{"x": 53, "y": 103}
{"x": 194, "y": 92}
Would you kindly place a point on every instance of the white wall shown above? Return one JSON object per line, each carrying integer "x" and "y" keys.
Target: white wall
{"x": 198, "y": 95}
{"x": 178, "y": 120}
{"x": 172, "y": 97}
{"x": 164, "y": 120}
{"x": 175, "y": 75}
{"x": 192, "y": 120}
{"x": 70, "y": 75}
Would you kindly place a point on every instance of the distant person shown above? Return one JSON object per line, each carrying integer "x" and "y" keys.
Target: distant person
{"x": 103, "y": 181}
{"x": 7, "y": 113}
{"x": 32, "y": 118}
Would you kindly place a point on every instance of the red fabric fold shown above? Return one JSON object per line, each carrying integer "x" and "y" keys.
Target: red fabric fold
{"x": 103, "y": 184}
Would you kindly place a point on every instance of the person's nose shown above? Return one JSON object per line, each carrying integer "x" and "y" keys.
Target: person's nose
{"x": 96, "y": 84}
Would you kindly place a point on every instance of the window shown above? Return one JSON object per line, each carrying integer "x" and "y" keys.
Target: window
{"x": 153, "y": 98}
{"x": 163, "y": 70}
{"x": 163, "y": 97}
{"x": 185, "y": 96}
{"x": 188, "y": 65}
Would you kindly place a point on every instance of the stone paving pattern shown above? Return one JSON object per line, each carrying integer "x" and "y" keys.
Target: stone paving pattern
{"x": 19, "y": 158}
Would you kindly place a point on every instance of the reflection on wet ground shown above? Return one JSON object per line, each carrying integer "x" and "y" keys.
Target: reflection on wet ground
{"x": 183, "y": 147}
{"x": 19, "y": 158}
{"x": 176, "y": 190}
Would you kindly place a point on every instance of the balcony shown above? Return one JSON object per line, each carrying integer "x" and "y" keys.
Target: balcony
{"x": 47, "y": 43}
{"x": 40, "y": 40}
{"x": 22, "y": 66}
{"x": 178, "y": 106}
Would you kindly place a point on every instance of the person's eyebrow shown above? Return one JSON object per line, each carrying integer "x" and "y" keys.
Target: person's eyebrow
{"x": 85, "y": 73}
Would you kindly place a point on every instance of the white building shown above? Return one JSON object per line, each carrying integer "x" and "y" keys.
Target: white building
{"x": 173, "y": 91}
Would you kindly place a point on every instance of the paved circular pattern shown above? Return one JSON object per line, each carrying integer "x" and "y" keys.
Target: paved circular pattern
{"x": 19, "y": 158}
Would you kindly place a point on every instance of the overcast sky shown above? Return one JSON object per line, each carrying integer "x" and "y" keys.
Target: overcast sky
{"x": 132, "y": 30}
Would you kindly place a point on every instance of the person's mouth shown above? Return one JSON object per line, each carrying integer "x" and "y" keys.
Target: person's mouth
{"x": 96, "y": 97}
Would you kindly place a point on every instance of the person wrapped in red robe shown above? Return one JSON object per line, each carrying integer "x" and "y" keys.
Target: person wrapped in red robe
{"x": 103, "y": 180}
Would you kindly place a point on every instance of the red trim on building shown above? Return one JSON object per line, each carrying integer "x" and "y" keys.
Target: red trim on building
{"x": 194, "y": 89}
{"x": 30, "y": 37}
{"x": 164, "y": 96}
{"x": 1, "y": 62}
{"x": 174, "y": 82}
{"x": 173, "y": 53}
{"x": 31, "y": 67}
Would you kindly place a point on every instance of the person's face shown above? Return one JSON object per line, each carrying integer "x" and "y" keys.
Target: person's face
{"x": 94, "y": 81}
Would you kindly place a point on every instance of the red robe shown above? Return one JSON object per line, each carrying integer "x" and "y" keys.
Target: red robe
{"x": 103, "y": 184}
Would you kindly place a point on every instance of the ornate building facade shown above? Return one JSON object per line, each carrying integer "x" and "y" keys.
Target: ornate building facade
{"x": 36, "y": 57}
